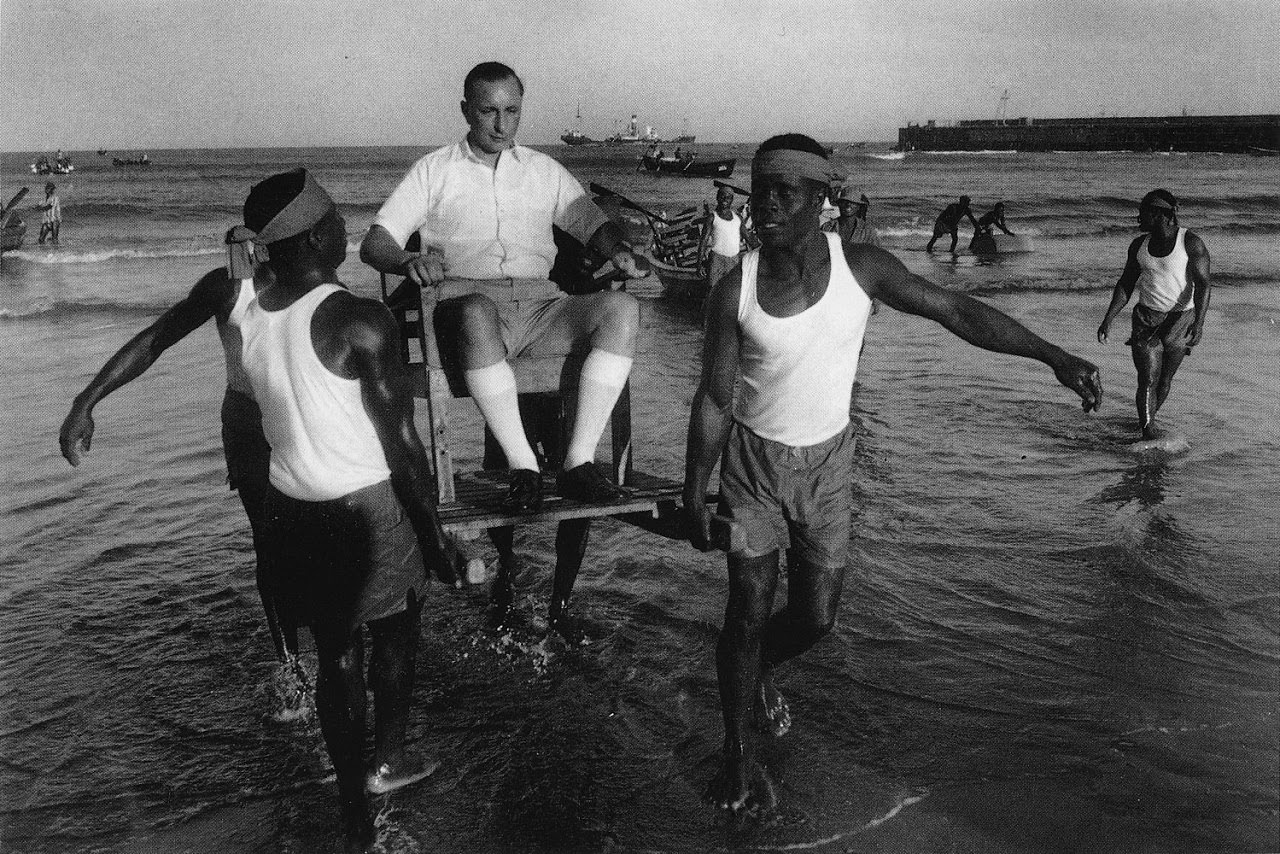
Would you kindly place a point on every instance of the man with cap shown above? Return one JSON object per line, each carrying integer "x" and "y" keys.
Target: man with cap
{"x": 1168, "y": 266}
{"x": 484, "y": 209}
{"x": 786, "y": 327}
{"x": 722, "y": 234}
{"x": 852, "y": 225}
{"x": 350, "y": 502}
{"x": 948, "y": 222}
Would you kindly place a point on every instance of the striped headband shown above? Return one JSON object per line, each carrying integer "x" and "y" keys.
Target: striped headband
{"x": 791, "y": 162}
{"x": 1157, "y": 202}
{"x": 247, "y": 248}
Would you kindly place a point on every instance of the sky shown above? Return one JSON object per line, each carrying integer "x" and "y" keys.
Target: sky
{"x": 155, "y": 74}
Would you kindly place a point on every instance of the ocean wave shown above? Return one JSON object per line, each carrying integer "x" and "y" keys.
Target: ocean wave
{"x": 149, "y": 210}
{"x": 97, "y": 256}
{"x": 50, "y": 309}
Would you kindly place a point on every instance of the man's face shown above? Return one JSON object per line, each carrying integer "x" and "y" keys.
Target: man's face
{"x": 724, "y": 199}
{"x": 847, "y": 208}
{"x": 784, "y": 208}
{"x": 493, "y": 113}
{"x": 1148, "y": 217}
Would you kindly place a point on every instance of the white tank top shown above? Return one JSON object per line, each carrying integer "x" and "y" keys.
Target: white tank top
{"x": 1163, "y": 286}
{"x": 233, "y": 342}
{"x": 323, "y": 444}
{"x": 798, "y": 371}
{"x": 726, "y": 235}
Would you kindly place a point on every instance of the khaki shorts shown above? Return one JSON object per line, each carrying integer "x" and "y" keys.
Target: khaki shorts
{"x": 527, "y": 310}
{"x": 781, "y": 497}
{"x": 1151, "y": 327}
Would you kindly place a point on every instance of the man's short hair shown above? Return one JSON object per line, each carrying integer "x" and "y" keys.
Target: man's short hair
{"x": 489, "y": 72}
{"x": 270, "y": 196}
{"x": 794, "y": 142}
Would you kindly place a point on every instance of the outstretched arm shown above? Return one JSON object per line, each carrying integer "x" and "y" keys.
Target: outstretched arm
{"x": 371, "y": 355}
{"x": 885, "y": 278}
{"x": 214, "y": 295}
{"x": 711, "y": 415}
{"x": 1123, "y": 290}
{"x": 1198, "y": 270}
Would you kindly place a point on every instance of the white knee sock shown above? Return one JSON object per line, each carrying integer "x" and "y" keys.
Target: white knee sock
{"x": 493, "y": 388}
{"x": 603, "y": 376}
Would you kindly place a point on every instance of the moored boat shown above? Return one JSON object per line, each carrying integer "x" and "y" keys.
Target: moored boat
{"x": 12, "y": 233}
{"x": 690, "y": 167}
{"x": 144, "y": 160}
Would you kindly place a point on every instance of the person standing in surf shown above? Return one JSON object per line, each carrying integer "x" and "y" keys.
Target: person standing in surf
{"x": 787, "y": 324}
{"x": 350, "y": 506}
{"x": 1169, "y": 268}
{"x": 948, "y": 222}
{"x": 722, "y": 234}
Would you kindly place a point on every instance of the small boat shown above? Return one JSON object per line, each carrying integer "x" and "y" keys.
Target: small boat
{"x": 57, "y": 166}
{"x": 1264, "y": 152}
{"x": 14, "y": 228}
{"x": 12, "y": 233}
{"x": 690, "y": 166}
{"x": 673, "y": 250}
{"x": 144, "y": 160}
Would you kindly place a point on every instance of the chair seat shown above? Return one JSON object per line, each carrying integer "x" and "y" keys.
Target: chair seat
{"x": 478, "y": 502}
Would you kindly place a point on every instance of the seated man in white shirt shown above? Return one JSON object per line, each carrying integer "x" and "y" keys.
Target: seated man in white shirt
{"x": 485, "y": 208}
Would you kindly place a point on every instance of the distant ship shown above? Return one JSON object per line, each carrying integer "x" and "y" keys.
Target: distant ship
{"x": 577, "y": 137}
{"x": 649, "y": 137}
{"x": 571, "y": 137}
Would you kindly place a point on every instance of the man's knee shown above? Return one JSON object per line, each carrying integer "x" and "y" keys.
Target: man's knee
{"x": 476, "y": 314}
{"x": 619, "y": 316}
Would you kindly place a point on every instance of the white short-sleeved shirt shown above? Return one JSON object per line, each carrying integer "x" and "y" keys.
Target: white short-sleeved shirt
{"x": 490, "y": 223}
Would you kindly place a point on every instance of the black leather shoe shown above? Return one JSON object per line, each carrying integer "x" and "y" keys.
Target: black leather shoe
{"x": 585, "y": 483}
{"x": 525, "y": 493}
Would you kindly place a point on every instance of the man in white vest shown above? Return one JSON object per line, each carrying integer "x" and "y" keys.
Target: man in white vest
{"x": 350, "y": 507}
{"x": 788, "y": 324}
{"x": 1169, "y": 268}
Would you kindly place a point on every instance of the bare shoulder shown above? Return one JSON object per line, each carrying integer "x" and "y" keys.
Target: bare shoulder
{"x": 722, "y": 302}
{"x": 1193, "y": 244}
{"x": 875, "y": 269}
{"x": 363, "y": 323}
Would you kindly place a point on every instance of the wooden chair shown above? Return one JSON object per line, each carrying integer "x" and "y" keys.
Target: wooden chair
{"x": 470, "y": 502}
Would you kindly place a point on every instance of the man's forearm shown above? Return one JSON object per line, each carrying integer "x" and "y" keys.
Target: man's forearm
{"x": 380, "y": 251}
{"x": 985, "y": 327}
{"x": 708, "y": 432}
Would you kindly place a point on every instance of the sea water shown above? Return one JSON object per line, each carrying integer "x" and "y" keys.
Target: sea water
{"x": 1046, "y": 642}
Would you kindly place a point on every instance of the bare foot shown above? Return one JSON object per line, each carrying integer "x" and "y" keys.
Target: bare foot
{"x": 772, "y": 714}
{"x": 742, "y": 787}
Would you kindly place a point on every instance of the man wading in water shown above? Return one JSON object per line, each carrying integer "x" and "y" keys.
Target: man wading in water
{"x": 1169, "y": 267}
{"x": 788, "y": 322}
